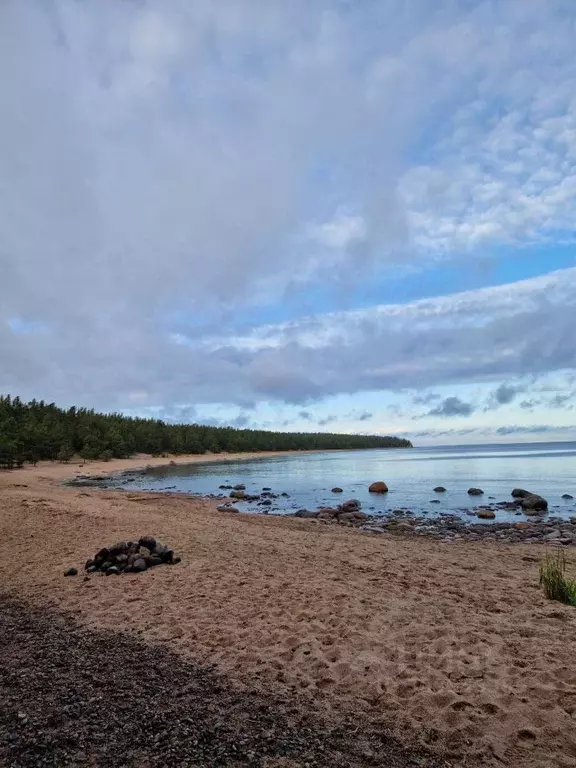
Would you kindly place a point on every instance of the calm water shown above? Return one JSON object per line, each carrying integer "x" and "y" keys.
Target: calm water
{"x": 545, "y": 468}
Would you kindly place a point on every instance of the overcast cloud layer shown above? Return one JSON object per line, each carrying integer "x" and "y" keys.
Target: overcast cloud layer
{"x": 202, "y": 203}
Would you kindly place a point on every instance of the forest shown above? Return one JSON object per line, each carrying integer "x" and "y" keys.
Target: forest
{"x": 37, "y": 430}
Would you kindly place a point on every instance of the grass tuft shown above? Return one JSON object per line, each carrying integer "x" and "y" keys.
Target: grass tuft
{"x": 553, "y": 579}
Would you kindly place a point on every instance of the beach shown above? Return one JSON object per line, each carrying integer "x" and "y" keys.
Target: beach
{"x": 452, "y": 646}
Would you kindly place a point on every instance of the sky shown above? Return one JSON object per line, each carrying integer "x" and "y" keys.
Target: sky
{"x": 321, "y": 215}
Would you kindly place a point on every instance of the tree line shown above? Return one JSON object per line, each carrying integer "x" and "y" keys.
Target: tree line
{"x": 38, "y": 430}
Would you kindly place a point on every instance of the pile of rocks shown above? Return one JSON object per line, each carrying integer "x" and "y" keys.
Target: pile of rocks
{"x": 554, "y": 531}
{"x": 347, "y": 513}
{"x": 131, "y": 557}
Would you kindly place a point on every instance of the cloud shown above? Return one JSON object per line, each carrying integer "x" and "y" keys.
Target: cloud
{"x": 562, "y": 401}
{"x": 305, "y": 415}
{"x": 452, "y": 406}
{"x": 533, "y": 430}
{"x": 327, "y": 420}
{"x": 505, "y": 394}
{"x": 167, "y": 168}
{"x": 425, "y": 399}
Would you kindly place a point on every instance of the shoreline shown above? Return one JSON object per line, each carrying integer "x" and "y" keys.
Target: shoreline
{"x": 442, "y": 641}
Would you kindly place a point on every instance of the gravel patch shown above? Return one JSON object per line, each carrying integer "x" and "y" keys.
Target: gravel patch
{"x": 73, "y": 696}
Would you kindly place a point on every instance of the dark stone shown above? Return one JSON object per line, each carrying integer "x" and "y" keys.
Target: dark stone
{"x": 266, "y": 503}
{"x": 113, "y": 571}
{"x": 139, "y": 565}
{"x": 475, "y": 492}
{"x": 520, "y": 493}
{"x": 92, "y": 569}
{"x": 147, "y": 541}
{"x": 122, "y": 560}
{"x": 237, "y": 494}
{"x": 286, "y": 495}
{"x": 227, "y": 508}
{"x": 176, "y": 560}
{"x": 152, "y": 560}
{"x": 266, "y": 489}
{"x": 535, "y": 503}
{"x": 567, "y": 496}
{"x": 337, "y": 490}
{"x": 350, "y": 505}
{"x": 163, "y": 552}
{"x": 305, "y": 513}
{"x": 102, "y": 554}
{"x": 89, "y": 564}
{"x": 105, "y": 565}
{"x": 118, "y": 549}
{"x": 240, "y": 487}
{"x": 378, "y": 487}
{"x": 434, "y": 501}
{"x": 71, "y": 572}
{"x": 440, "y": 489}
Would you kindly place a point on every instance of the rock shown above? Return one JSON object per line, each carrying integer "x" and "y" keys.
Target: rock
{"x": 266, "y": 489}
{"x": 91, "y": 569}
{"x": 359, "y": 515}
{"x": 227, "y": 508}
{"x": 567, "y": 496}
{"x": 350, "y": 505}
{"x": 122, "y": 560}
{"x": 475, "y": 492}
{"x": 534, "y": 503}
{"x": 118, "y": 549}
{"x": 378, "y": 487}
{"x": 176, "y": 560}
{"x": 113, "y": 571}
{"x": 337, "y": 490}
{"x": 439, "y": 489}
{"x": 520, "y": 493}
{"x": 102, "y": 554}
{"x": 305, "y": 513}
{"x": 553, "y": 535}
{"x": 89, "y": 564}
{"x": 71, "y": 572}
{"x": 486, "y": 514}
{"x": 346, "y": 517}
{"x": 139, "y": 565}
{"x": 239, "y": 494}
{"x": 147, "y": 541}
{"x": 240, "y": 487}
{"x": 163, "y": 552}
{"x": 285, "y": 495}
{"x": 153, "y": 560}
{"x": 434, "y": 501}
{"x": 266, "y": 503}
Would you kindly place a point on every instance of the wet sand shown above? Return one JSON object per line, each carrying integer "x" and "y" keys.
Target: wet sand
{"x": 452, "y": 644}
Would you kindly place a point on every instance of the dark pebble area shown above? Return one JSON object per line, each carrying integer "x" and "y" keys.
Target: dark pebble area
{"x": 72, "y": 696}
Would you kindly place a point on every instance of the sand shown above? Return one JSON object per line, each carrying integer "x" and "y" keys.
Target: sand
{"x": 453, "y": 644}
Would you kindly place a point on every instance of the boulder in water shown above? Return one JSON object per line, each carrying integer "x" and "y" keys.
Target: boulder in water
{"x": 378, "y": 487}
{"x": 475, "y": 492}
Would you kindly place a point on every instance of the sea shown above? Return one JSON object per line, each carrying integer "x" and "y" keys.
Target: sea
{"x": 548, "y": 469}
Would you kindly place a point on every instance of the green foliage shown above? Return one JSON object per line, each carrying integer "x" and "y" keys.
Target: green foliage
{"x": 553, "y": 579}
{"x": 65, "y": 453}
{"x": 38, "y": 430}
